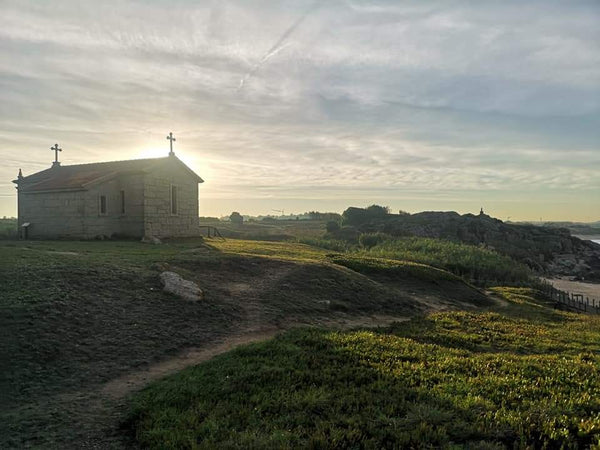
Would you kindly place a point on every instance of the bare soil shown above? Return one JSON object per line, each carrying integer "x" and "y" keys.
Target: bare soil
{"x": 591, "y": 290}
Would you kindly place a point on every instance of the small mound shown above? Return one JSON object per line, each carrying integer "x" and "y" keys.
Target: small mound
{"x": 300, "y": 290}
{"x": 415, "y": 278}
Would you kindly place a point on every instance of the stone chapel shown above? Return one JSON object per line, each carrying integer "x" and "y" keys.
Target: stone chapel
{"x": 142, "y": 197}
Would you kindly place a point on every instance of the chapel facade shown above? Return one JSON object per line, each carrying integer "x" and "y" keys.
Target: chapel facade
{"x": 155, "y": 197}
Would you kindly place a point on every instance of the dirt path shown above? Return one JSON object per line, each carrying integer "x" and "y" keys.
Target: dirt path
{"x": 120, "y": 387}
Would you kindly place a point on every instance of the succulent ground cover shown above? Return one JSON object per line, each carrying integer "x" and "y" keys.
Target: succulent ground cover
{"x": 522, "y": 375}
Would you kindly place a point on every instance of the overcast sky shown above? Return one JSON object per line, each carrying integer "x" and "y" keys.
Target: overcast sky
{"x": 304, "y": 105}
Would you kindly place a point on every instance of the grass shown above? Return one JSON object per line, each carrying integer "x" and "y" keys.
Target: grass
{"x": 8, "y": 228}
{"x": 280, "y": 230}
{"x": 475, "y": 264}
{"x": 393, "y": 268}
{"x": 281, "y": 250}
{"x": 468, "y": 261}
{"x": 75, "y": 314}
{"x": 524, "y": 376}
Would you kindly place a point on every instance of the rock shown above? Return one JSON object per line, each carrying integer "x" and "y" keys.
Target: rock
{"x": 174, "y": 284}
{"x": 160, "y": 266}
{"x": 151, "y": 240}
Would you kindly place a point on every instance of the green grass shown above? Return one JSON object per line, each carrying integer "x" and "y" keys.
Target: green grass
{"x": 468, "y": 261}
{"x": 280, "y": 230}
{"x": 281, "y": 250}
{"x": 8, "y": 228}
{"x": 523, "y": 376}
{"x": 393, "y": 268}
{"x": 76, "y": 314}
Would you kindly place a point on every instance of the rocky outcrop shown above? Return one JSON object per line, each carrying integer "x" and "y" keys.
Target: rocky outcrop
{"x": 548, "y": 250}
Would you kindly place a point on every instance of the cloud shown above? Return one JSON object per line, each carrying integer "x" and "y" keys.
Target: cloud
{"x": 364, "y": 97}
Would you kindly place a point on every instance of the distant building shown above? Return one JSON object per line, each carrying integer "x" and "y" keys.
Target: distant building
{"x": 145, "y": 197}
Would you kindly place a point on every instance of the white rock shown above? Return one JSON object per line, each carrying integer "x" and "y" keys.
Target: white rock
{"x": 151, "y": 240}
{"x": 176, "y": 285}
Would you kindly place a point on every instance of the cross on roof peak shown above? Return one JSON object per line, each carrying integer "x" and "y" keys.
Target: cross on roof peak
{"x": 56, "y": 150}
{"x": 171, "y": 139}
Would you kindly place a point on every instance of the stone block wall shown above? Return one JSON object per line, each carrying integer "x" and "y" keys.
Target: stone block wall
{"x": 114, "y": 222}
{"x": 52, "y": 214}
{"x": 159, "y": 221}
{"x": 77, "y": 215}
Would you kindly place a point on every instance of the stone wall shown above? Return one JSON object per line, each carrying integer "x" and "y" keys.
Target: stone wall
{"x": 114, "y": 222}
{"x": 52, "y": 214}
{"x": 76, "y": 215}
{"x": 159, "y": 221}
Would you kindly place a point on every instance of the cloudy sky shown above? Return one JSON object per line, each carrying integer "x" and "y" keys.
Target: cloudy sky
{"x": 316, "y": 105}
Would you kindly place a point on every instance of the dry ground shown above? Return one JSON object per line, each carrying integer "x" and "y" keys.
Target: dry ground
{"x": 591, "y": 290}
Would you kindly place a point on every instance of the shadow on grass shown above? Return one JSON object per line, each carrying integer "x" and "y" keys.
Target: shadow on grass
{"x": 318, "y": 389}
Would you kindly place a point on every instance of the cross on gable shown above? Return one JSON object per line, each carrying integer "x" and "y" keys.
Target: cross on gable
{"x": 56, "y": 150}
{"x": 171, "y": 139}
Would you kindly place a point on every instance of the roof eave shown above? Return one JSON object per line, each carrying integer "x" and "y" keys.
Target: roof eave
{"x": 44, "y": 191}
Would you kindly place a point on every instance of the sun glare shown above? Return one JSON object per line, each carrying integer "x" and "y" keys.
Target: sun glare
{"x": 152, "y": 152}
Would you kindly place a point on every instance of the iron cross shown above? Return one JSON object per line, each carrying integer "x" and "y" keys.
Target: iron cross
{"x": 171, "y": 139}
{"x": 56, "y": 150}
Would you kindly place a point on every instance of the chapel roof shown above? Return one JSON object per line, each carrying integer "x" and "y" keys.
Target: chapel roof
{"x": 80, "y": 176}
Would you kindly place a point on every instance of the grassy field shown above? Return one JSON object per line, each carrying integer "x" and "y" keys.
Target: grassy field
{"x": 76, "y": 315}
{"x": 477, "y": 264}
{"x": 473, "y": 263}
{"x": 523, "y": 376}
{"x": 279, "y": 230}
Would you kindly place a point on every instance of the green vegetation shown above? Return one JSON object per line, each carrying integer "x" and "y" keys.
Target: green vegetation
{"x": 76, "y": 314}
{"x": 281, "y": 250}
{"x": 8, "y": 228}
{"x": 474, "y": 263}
{"x": 524, "y": 376}
{"x": 392, "y": 268}
{"x": 468, "y": 261}
{"x": 273, "y": 230}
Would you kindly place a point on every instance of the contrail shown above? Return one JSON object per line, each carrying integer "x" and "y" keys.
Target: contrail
{"x": 279, "y": 45}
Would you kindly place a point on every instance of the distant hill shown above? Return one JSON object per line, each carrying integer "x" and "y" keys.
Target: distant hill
{"x": 546, "y": 249}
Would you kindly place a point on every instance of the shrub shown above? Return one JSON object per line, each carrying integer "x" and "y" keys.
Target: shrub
{"x": 236, "y": 218}
{"x": 359, "y": 216}
{"x": 332, "y": 226}
{"x": 471, "y": 262}
{"x": 369, "y": 240}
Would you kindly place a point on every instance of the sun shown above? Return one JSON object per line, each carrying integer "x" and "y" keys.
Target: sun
{"x": 152, "y": 152}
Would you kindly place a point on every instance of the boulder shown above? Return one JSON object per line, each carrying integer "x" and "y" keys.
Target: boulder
{"x": 175, "y": 284}
{"x": 151, "y": 240}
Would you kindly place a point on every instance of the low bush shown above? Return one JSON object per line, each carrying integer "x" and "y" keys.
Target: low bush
{"x": 332, "y": 226}
{"x": 471, "y": 262}
{"x": 369, "y": 240}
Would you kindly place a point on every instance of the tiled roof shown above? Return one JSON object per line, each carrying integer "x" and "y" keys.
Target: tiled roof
{"x": 81, "y": 175}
